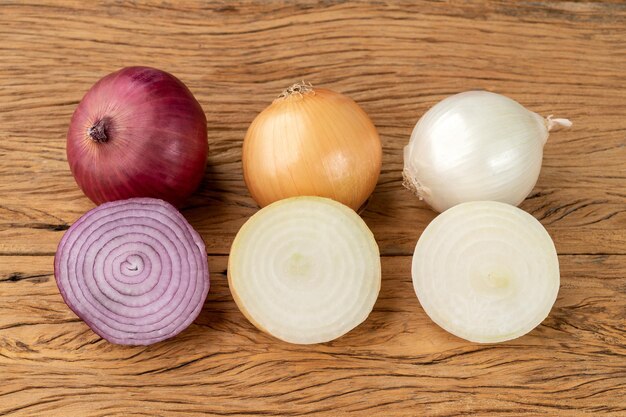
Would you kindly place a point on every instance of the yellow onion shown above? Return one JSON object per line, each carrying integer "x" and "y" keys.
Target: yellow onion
{"x": 315, "y": 142}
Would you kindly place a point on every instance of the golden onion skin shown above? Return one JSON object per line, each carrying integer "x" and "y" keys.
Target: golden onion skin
{"x": 312, "y": 142}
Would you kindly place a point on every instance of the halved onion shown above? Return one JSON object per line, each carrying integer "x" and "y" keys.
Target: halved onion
{"x": 305, "y": 270}
{"x": 486, "y": 271}
{"x": 134, "y": 270}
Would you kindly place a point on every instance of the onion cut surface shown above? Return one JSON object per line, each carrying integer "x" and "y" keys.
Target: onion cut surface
{"x": 305, "y": 270}
{"x": 486, "y": 271}
{"x": 134, "y": 270}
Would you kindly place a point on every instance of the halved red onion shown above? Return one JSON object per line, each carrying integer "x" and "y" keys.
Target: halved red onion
{"x": 134, "y": 270}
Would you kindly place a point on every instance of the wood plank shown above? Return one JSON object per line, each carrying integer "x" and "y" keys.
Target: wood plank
{"x": 395, "y": 60}
{"x": 397, "y": 361}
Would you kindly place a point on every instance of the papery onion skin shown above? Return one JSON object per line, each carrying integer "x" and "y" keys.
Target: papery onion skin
{"x": 138, "y": 132}
{"x": 312, "y": 141}
{"x": 134, "y": 270}
{"x": 474, "y": 146}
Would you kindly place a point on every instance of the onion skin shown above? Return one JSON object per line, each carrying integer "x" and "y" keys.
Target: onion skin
{"x": 475, "y": 146}
{"x": 312, "y": 142}
{"x": 134, "y": 270}
{"x": 138, "y": 132}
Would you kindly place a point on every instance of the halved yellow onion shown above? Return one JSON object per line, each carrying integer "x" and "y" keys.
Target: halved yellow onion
{"x": 305, "y": 270}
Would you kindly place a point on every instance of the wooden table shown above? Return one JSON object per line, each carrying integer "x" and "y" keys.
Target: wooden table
{"x": 396, "y": 60}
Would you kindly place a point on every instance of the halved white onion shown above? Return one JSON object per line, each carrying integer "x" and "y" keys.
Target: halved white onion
{"x": 486, "y": 271}
{"x": 305, "y": 269}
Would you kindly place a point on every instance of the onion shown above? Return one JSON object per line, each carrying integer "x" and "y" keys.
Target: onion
{"x": 486, "y": 271}
{"x": 138, "y": 132}
{"x": 475, "y": 146}
{"x": 305, "y": 270}
{"x": 312, "y": 142}
{"x": 134, "y": 270}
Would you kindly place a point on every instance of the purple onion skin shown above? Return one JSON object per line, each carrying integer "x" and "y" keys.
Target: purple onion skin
{"x": 138, "y": 132}
{"x": 134, "y": 270}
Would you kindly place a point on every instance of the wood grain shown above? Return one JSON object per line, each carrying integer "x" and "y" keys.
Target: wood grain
{"x": 396, "y": 59}
{"x": 397, "y": 362}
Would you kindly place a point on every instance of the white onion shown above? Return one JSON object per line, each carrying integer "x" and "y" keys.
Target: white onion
{"x": 305, "y": 269}
{"x": 486, "y": 271}
{"x": 476, "y": 146}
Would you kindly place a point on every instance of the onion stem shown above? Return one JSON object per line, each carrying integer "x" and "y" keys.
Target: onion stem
{"x": 297, "y": 89}
{"x": 98, "y": 131}
{"x": 552, "y": 123}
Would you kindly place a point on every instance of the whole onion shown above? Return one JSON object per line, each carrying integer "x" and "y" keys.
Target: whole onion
{"x": 134, "y": 270}
{"x": 138, "y": 132}
{"x": 312, "y": 141}
{"x": 475, "y": 146}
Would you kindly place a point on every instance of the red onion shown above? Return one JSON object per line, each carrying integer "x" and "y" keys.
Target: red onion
{"x": 134, "y": 270}
{"x": 138, "y": 132}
